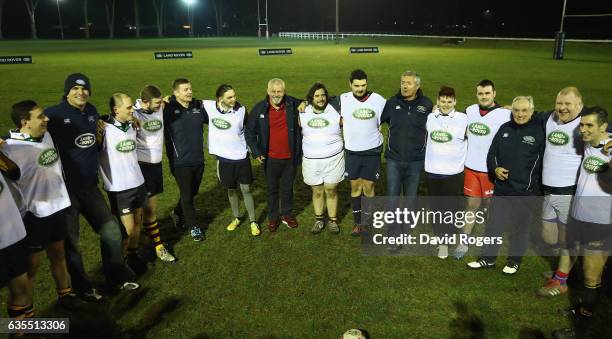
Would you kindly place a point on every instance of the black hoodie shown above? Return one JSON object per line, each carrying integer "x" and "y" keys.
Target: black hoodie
{"x": 407, "y": 130}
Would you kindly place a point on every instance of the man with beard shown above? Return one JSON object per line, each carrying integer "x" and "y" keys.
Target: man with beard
{"x": 323, "y": 162}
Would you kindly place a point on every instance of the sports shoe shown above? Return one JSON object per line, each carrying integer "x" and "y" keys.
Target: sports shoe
{"x": 196, "y": 234}
{"x": 357, "y": 230}
{"x": 273, "y": 225}
{"x": 511, "y": 268}
{"x": 255, "y": 231}
{"x": 164, "y": 255}
{"x": 480, "y": 264}
{"x": 317, "y": 227}
{"x": 91, "y": 296}
{"x": 70, "y": 302}
{"x": 552, "y": 289}
{"x": 129, "y": 286}
{"x": 460, "y": 251}
{"x": 289, "y": 221}
{"x": 179, "y": 221}
{"x": 333, "y": 227}
{"x": 442, "y": 251}
{"x": 232, "y": 225}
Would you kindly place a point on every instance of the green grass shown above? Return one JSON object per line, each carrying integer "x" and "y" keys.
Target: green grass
{"x": 293, "y": 284}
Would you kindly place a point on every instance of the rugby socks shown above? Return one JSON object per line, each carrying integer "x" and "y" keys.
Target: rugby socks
{"x": 561, "y": 277}
{"x": 590, "y": 300}
{"x": 17, "y": 311}
{"x": 234, "y": 202}
{"x": 152, "y": 230}
{"x": 62, "y": 292}
{"x": 334, "y": 219}
{"x": 320, "y": 217}
{"x": 356, "y": 204}
{"x": 249, "y": 203}
{"x": 29, "y": 311}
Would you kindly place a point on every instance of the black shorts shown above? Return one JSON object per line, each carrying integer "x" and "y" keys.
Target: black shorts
{"x": 154, "y": 177}
{"x": 13, "y": 262}
{"x": 44, "y": 231}
{"x": 231, "y": 174}
{"x": 587, "y": 235}
{"x": 126, "y": 202}
{"x": 362, "y": 166}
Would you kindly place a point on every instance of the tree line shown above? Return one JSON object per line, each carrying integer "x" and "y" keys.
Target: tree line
{"x": 109, "y": 10}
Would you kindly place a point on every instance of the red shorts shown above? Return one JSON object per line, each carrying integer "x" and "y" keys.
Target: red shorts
{"x": 477, "y": 184}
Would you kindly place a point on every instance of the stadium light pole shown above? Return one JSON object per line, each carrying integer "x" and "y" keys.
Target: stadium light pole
{"x": 190, "y": 3}
{"x": 59, "y": 17}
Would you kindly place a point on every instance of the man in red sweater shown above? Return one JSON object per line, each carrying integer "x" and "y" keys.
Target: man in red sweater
{"x": 274, "y": 139}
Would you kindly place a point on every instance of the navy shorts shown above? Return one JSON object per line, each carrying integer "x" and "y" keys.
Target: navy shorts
{"x": 362, "y": 166}
{"x": 126, "y": 202}
{"x": 44, "y": 231}
{"x": 154, "y": 178}
{"x": 231, "y": 174}
{"x": 13, "y": 262}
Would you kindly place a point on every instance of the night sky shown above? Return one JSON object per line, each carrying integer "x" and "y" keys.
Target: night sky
{"x": 518, "y": 18}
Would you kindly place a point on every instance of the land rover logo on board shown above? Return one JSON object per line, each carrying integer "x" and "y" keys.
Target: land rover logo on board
{"x": 48, "y": 157}
{"x": 478, "y": 128}
{"x": 152, "y": 125}
{"x": 440, "y": 136}
{"x": 85, "y": 140}
{"x": 364, "y": 114}
{"x": 221, "y": 124}
{"x": 318, "y": 123}
{"x": 126, "y": 146}
{"x": 593, "y": 164}
{"x": 558, "y": 138}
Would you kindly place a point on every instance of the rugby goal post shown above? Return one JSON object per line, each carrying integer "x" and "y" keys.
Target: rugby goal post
{"x": 560, "y": 36}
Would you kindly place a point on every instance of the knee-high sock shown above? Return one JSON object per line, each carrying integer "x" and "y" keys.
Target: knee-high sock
{"x": 234, "y": 202}
{"x": 152, "y": 230}
{"x": 248, "y": 200}
{"x": 356, "y": 204}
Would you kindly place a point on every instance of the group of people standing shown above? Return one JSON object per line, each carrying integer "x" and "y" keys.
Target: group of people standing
{"x": 51, "y": 161}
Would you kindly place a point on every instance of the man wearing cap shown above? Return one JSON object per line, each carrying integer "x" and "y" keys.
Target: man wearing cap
{"x": 72, "y": 124}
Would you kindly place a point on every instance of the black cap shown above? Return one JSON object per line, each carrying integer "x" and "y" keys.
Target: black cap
{"x": 76, "y": 79}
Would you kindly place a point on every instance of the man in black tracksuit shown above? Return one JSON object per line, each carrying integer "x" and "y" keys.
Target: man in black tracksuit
{"x": 72, "y": 124}
{"x": 406, "y": 113}
{"x": 184, "y": 120}
{"x": 274, "y": 138}
{"x": 515, "y": 162}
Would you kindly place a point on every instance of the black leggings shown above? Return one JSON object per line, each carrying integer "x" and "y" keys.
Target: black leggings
{"x": 188, "y": 180}
{"x": 447, "y": 195}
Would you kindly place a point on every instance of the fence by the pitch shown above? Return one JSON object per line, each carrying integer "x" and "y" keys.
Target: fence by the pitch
{"x": 332, "y": 36}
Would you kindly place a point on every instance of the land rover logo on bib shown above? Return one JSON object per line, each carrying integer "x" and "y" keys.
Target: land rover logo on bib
{"x": 593, "y": 164}
{"x": 364, "y": 114}
{"x": 221, "y": 124}
{"x": 85, "y": 140}
{"x": 558, "y": 138}
{"x": 126, "y": 146}
{"x": 318, "y": 123}
{"x": 441, "y": 136}
{"x": 478, "y": 128}
{"x": 152, "y": 125}
{"x": 48, "y": 157}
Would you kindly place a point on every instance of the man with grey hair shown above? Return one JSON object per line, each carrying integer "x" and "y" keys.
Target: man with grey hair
{"x": 406, "y": 113}
{"x": 515, "y": 161}
{"x": 274, "y": 139}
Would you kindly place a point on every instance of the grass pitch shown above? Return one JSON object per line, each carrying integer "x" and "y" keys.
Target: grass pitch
{"x": 293, "y": 284}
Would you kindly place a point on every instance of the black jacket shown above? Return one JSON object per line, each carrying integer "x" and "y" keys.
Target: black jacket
{"x": 74, "y": 135}
{"x": 257, "y": 132}
{"x": 184, "y": 133}
{"x": 519, "y": 149}
{"x": 407, "y": 130}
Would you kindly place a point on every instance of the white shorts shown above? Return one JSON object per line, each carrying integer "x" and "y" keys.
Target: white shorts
{"x": 323, "y": 171}
{"x": 555, "y": 208}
